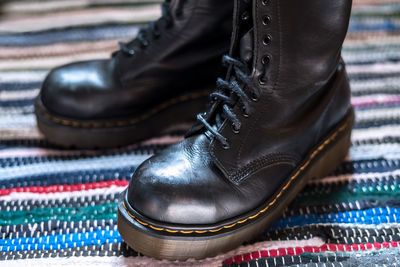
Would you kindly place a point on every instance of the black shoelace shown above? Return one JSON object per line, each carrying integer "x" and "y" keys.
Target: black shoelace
{"x": 154, "y": 28}
{"x": 230, "y": 93}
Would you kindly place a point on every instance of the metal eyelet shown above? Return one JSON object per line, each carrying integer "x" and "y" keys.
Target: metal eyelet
{"x": 226, "y": 146}
{"x": 254, "y": 97}
{"x": 244, "y": 113}
{"x": 261, "y": 80}
{"x": 266, "y": 60}
{"x": 267, "y": 40}
{"x": 266, "y": 20}
{"x": 265, "y": 2}
{"x": 234, "y": 129}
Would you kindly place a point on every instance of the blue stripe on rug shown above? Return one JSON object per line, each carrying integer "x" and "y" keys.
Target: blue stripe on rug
{"x": 372, "y": 216}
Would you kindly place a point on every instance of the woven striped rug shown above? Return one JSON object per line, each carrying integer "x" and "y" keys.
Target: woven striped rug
{"x": 58, "y": 207}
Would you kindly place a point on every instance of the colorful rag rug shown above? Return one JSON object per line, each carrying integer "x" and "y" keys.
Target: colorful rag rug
{"x": 58, "y": 207}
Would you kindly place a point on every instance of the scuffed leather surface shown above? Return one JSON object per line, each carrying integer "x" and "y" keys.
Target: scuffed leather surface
{"x": 184, "y": 59}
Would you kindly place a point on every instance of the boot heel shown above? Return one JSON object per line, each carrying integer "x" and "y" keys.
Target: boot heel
{"x": 334, "y": 155}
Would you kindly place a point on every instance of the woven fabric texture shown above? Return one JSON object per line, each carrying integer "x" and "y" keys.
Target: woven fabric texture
{"x": 58, "y": 207}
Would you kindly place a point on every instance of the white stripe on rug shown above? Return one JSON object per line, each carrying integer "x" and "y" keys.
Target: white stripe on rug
{"x": 18, "y": 95}
{"x": 138, "y": 14}
{"x": 357, "y": 177}
{"x": 43, "y": 152}
{"x": 377, "y": 114}
{"x": 380, "y": 68}
{"x": 98, "y": 163}
{"x": 21, "y": 133}
{"x": 50, "y": 62}
{"x": 8, "y": 121}
{"x": 24, "y": 7}
{"x": 22, "y": 76}
{"x": 74, "y": 195}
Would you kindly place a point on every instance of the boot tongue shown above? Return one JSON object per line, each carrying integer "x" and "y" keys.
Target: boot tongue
{"x": 246, "y": 48}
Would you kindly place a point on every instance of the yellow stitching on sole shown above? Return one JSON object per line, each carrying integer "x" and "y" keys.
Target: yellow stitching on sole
{"x": 156, "y": 228}
{"x": 326, "y": 142}
{"x": 142, "y": 223}
{"x": 242, "y": 221}
{"x": 186, "y": 232}
{"x": 230, "y": 226}
{"x": 215, "y": 230}
{"x": 254, "y": 216}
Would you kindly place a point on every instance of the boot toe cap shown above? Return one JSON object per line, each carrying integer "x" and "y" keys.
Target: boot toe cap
{"x": 163, "y": 192}
{"x": 181, "y": 185}
{"x": 77, "y": 90}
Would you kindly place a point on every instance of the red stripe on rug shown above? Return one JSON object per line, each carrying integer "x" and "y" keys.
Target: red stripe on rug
{"x": 62, "y": 188}
{"x": 311, "y": 249}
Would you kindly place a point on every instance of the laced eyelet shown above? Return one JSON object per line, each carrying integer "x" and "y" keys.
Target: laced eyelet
{"x": 266, "y": 20}
{"x": 265, "y": 2}
{"x": 226, "y": 146}
{"x": 254, "y": 97}
{"x": 261, "y": 80}
{"x": 265, "y": 60}
{"x": 234, "y": 129}
{"x": 267, "y": 40}
{"x": 244, "y": 112}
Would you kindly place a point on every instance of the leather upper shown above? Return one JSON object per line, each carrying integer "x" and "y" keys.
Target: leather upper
{"x": 304, "y": 50}
{"x": 304, "y": 94}
{"x": 182, "y": 185}
{"x": 184, "y": 58}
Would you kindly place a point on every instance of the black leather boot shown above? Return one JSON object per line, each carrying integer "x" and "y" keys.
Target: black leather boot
{"x": 155, "y": 84}
{"x": 281, "y": 117}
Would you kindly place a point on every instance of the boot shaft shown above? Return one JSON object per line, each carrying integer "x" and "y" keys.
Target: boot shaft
{"x": 294, "y": 44}
{"x": 191, "y": 32}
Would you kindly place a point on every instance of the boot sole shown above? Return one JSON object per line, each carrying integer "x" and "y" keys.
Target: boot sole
{"x": 175, "y": 115}
{"x": 181, "y": 242}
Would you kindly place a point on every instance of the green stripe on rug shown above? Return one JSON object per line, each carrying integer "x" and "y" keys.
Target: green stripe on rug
{"x": 98, "y": 212}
